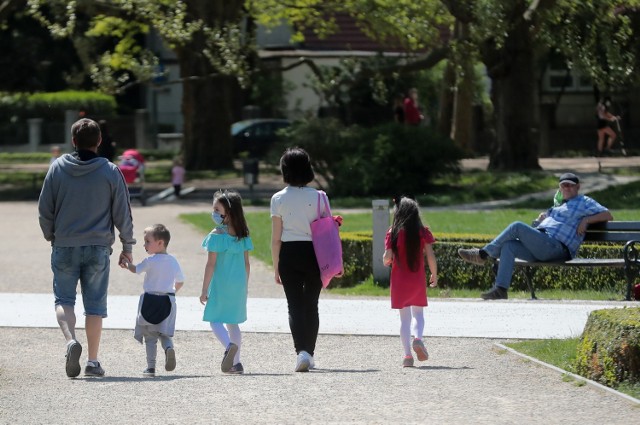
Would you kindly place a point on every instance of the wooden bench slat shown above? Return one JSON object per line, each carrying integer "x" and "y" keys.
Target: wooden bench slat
{"x": 576, "y": 262}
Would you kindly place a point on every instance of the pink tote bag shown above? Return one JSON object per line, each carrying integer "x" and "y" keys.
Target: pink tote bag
{"x": 326, "y": 243}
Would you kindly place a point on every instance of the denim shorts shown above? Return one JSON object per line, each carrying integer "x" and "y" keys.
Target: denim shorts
{"x": 90, "y": 265}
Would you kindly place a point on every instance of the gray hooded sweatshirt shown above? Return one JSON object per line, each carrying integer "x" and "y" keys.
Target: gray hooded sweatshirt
{"x": 81, "y": 202}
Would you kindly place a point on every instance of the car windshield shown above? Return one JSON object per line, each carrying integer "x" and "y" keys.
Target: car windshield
{"x": 238, "y": 127}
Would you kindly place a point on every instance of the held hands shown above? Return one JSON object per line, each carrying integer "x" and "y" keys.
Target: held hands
{"x": 125, "y": 260}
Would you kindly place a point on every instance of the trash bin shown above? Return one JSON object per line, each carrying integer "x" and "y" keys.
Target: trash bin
{"x": 250, "y": 171}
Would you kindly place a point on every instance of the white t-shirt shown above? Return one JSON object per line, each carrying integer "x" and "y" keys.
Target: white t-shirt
{"x": 162, "y": 271}
{"x": 297, "y": 206}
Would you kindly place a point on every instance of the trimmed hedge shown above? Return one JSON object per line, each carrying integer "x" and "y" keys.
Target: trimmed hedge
{"x": 52, "y": 106}
{"x": 455, "y": 273}
{"x": 609, "y": 350}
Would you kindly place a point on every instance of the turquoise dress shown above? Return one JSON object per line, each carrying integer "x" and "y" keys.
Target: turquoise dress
{"x": 227, "y": 301}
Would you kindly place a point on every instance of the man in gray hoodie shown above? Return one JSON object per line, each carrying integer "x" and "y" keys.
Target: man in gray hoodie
{"x": 83, "y": 197}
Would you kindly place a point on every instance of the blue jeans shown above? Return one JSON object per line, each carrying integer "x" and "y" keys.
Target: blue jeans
{"x": 520, "y": 240}
{"x": 90, "y": 265}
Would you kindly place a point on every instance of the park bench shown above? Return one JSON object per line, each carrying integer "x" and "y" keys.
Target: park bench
{"x": 627, "y": 232}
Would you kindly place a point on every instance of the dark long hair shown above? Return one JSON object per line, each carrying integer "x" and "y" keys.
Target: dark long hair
{"x": 407, "y": 218}
{"x": 231, "y": 201}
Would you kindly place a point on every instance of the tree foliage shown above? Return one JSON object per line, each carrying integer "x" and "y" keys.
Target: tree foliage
{"x": 598, "y": 36}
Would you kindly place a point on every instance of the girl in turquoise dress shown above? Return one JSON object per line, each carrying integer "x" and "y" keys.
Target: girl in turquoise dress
{"x": 226, "y": 275}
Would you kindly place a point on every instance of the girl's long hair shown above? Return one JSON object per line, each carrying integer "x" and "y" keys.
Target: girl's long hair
{"x": 407, "y": 218}
{"x": 231, "y": 201}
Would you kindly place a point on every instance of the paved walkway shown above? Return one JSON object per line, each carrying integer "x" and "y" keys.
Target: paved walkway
{"x": 358, "y": 380}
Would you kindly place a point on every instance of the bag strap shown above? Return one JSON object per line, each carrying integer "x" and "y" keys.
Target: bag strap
{"x": 326, "y": 204}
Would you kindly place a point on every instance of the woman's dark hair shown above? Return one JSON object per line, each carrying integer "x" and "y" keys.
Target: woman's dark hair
{"x": 231, "y": 201}
{"x": 407, "y": 217}
{"x": 295, "y": 166}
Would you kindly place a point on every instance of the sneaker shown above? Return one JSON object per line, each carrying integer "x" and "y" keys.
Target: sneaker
{"x": 227, "y": 359}
{"x": 72, "y": 364}
{"x": 169, "y": 359}
{"x": 407, "y": 361}
{"x": 471, "y": 256}
{"x": 496, "y": 293}
{"x": 93, "y": 369}
{"x": 420, "y": 349}
{"x": 303, "y": 362}
{"x": 150, "y": 371}
{"x": 236, "y": 369}
{"x": 312, "y": 362}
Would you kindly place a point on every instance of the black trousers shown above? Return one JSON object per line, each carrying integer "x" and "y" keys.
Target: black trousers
{"x": 300, "y": 278}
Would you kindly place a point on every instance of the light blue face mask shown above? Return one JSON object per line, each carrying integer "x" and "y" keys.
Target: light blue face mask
{"x": 217, "y": 217}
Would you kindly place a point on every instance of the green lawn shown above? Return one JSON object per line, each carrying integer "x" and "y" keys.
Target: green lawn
{"x": 562, "y": 353}
{"x": 478, "y": 222}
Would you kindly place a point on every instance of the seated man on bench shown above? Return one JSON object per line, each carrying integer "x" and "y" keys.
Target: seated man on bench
{"x": 555, "y": 236}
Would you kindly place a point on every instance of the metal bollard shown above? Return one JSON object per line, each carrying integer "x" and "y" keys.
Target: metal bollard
{"x": 381, "y": 219}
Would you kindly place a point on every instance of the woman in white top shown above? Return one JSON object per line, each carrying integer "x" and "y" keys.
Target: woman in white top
{"x": 294, "y": 260}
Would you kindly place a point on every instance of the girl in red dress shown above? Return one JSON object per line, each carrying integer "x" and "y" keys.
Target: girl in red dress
{"x": 407, "y": 244}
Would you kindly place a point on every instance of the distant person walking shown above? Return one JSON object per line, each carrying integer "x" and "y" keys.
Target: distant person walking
{"x": 398, "y": 109}
{"x": 55, "y": 153}
{"x": 83, "y": 197}
{"x": 406, "y": 245}
{"x": 226, "y": 276}
{"x": 177, "y": 176}
{"x": 107, "y": 148}
{"x": 156, "y": 319}
{"x": 605, "y": 132}
{"x": 412, "y": 113}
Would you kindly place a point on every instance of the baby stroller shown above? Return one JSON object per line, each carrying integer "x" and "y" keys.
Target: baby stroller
{"x": 132, "y": 167}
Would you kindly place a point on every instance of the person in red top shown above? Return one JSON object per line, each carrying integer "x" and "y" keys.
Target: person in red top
{"x": 407, "y": 243}
{"x": 412, "y": 114}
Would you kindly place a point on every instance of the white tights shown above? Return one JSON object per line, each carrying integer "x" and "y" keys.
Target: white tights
{"x": 406, "y": 314}
{"x": 229, "y": 334}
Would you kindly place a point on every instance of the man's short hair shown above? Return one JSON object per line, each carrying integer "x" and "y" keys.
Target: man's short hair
{"x": 86, "y": 133}
{"x": 159, "y": 232}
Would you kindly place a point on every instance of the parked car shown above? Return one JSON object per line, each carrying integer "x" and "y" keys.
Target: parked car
{"x": 256, "y": 136}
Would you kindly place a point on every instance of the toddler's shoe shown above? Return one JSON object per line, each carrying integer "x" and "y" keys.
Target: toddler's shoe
{"x": 169, "y": 359}
{"x": 150, "y": 371}
{"x": 227, "y": 359}
{"x": 420, "y": 349}
{"x": 93, "y": 369}
{"x": 72, "y": 364}
{"x": 407, "y": 361}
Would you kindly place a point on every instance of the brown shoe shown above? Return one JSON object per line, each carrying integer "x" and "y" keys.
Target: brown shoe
{"x": 471, "y": 256}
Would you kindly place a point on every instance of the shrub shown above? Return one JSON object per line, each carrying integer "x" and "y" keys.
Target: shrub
{"x": 384, "y": 160}
{"x": 54, "y": 105}
{"x": 609, "y": 350}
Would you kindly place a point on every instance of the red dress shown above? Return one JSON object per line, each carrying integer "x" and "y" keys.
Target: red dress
{"x": 407, "y": 287}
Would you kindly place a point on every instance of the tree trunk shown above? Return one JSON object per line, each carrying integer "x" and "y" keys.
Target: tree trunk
{"x": 207, "y": 100}
{"x": 445, "y": 114}
{"x": 511, "y": 70}
{"x": 463, "y": 99}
